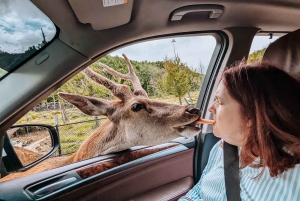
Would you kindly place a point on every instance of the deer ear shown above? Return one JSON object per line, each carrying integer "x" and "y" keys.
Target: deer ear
{"x": 89, "y": 105}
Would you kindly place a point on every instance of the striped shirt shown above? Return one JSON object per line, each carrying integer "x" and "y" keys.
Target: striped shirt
{"x": 211, "y": 186}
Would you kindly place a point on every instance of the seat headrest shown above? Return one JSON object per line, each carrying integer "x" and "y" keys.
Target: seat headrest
{"x": 285, "y": 53}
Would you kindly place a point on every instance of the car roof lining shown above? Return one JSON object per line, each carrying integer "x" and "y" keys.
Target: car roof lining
{"x": 83, "y": 38}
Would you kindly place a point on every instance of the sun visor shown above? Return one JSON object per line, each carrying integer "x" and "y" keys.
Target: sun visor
{"x": 102, "y": 14}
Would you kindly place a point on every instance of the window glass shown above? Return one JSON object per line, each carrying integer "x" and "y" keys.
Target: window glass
{"x": 24, "y": 29}
{"x": 170, "y": 69}
{"x": 259, "y": 46}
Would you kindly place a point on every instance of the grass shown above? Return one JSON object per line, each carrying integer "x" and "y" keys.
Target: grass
{"x": 73, "y": 138}
{"x": 69, "y": 148}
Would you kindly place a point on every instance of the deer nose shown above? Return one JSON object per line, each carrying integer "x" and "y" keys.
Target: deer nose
{"x": 193, "y": 110}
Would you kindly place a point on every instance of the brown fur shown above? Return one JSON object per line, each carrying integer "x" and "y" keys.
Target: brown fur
{"x": 26, "y": 156}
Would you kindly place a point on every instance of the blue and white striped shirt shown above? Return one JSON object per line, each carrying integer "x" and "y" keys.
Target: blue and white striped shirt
{"x": 211, "y": 186}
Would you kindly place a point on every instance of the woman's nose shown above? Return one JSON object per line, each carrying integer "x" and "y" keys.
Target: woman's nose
{"x": 211, "y": 108}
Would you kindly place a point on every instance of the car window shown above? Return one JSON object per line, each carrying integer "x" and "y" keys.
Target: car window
{"x": 259, "y": 46}
{"x": 171, "y": 70}
{"x": 24, "y": 30}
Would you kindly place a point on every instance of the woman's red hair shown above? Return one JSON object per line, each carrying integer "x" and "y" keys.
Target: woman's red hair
{"x": 271, "y": 99}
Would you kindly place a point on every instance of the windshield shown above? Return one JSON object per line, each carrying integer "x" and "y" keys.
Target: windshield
{"x": 24, "y": 29}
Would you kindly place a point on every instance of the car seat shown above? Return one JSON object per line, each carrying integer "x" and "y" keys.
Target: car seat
{"x": 284, "y": 53}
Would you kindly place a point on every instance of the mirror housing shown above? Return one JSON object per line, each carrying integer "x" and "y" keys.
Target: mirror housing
{"x": 10, "y": 158}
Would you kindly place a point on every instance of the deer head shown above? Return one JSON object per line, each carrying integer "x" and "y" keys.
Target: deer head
{"x": 134, "y": 118}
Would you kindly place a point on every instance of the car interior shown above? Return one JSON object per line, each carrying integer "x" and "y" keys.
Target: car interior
{"x": 87, "y": 31}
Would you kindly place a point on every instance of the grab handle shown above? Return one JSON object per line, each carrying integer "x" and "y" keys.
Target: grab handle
{"x": 215, "y": 11}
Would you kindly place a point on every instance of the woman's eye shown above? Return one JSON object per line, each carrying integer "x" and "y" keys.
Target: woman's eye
{"x": 216, "y": 100}
{"x": 137, "y": 106}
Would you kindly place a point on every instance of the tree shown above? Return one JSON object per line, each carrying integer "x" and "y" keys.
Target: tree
{"x": 256, "y": 55}
{"x": 178, "y": 78}
{"x": 198, "y": 75}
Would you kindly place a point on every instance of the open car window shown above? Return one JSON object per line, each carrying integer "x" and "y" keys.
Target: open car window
{"x": 24, "y": 30}
{"x": 170, "y": 70}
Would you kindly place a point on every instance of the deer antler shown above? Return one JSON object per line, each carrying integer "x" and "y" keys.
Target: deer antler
{"x": 138, "y": 89}
{"x": 122, "y": 92}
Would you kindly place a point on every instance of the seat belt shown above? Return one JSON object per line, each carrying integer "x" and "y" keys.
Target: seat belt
{"x": 231, "y": 172}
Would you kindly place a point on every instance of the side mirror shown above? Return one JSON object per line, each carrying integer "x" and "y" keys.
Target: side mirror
{"x": 27, "y": 145}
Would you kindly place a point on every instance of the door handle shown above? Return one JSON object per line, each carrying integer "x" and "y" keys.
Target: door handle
{"x": 54, "y": 186}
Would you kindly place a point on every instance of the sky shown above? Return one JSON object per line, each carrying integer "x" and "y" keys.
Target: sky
{"x": 260, "y": 42}
{"x": 20, "y": 28}
{"x": 192, "y": 50}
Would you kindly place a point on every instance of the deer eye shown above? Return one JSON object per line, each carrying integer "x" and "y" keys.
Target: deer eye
{"x": 137, "y": 106}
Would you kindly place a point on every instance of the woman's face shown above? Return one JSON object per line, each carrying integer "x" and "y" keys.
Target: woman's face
{"x": 230, "y": 124}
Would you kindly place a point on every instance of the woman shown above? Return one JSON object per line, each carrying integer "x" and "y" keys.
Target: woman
{"x": 257, "y": 109}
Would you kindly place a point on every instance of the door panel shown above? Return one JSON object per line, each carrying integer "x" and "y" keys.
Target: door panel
{"x": 163, "y": 170}
{"x": 171, "y": 191}
{"x": 139, "y": 179}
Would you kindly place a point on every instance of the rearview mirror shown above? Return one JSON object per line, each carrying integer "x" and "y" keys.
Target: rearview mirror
{"x": 27, "y": 145}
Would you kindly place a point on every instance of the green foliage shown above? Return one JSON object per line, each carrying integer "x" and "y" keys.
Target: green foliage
{"x": 2, "y": 72}
{"x": 256, "y": 55}
{"x": 178, "y": 79}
